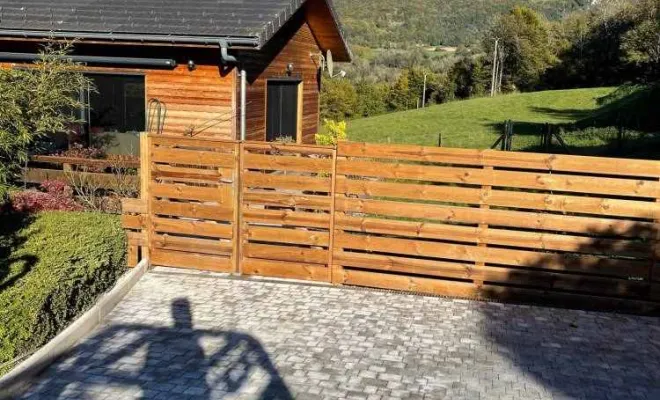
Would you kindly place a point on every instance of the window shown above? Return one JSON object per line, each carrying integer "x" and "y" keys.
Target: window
{"x": 116, "y": 112}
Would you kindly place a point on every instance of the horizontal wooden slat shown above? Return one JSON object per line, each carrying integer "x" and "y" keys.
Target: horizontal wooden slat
{"x": 502, "y": 237}
{"x": 192, "y": 245}
{"x": 192, "y": 228}
{"x": 178, "y": 259}
{"x": 513, "y": 179}
{"x": 408, "y": 191}
{"x": 287, "y": 182}
{"x": 532, "y": 278}
{"x": 90, "y": 162}
{"x": 102, "y": 180}
{"x": 288, "y": 148}
{"x": 574, "y": 204}
{"x": 532, "y": 161}
{"x": 270, "y": 198}
{"x": 490, "y": 255}
{"x": 287, "y": 163}
{"x": 489, "y": 291}
{"x": 221, "y": 194}
{"x": 286, "y": 270}
{"x": 134, "y": 221}
{"x": 193, "y": 210}
{"x": 133, "y": 206}
{"x": 206, "y": 175}
{"x": 286, "y": 253}
{"x": 504, "y": 218}
{"x": 136, "y": 238}
{"x": 292, "y": 236}
{"x": 200, "y": 142}
{"x": 503, "y": 198}
{"x": 192, "y": 157}
{"x": 286, "y": 217}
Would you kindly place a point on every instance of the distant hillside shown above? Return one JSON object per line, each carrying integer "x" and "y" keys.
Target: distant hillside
{"x": 398, "y": 23}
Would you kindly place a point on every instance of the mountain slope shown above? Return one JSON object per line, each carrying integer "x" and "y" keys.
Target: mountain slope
{"x": 398, "y": 23}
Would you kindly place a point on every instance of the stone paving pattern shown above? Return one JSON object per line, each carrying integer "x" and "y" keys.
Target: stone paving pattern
{"x": 195, "y": 336}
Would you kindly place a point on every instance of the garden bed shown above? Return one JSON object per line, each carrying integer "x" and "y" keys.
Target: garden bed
{"x": 53, "y": 266}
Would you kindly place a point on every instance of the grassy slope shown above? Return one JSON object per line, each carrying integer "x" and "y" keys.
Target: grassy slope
{"x": 53, "y": 265}
{"x": 477, "y": 123}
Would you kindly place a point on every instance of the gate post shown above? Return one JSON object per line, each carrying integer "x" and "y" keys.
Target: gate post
{"x": 331, "y": 243}
{"x": 145, "y": 181}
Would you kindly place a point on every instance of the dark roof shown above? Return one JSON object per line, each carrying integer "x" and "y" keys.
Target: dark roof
{"x": 257, "y": 19}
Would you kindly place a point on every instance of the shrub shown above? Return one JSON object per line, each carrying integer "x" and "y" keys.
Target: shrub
{"x": 53, "y": 266}
{"x": 33, "y": 104}
{"x": 54, "y": 196}
{"x": 332, "y": 133}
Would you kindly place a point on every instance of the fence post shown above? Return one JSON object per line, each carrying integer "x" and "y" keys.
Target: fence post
{"x": 238, "y": 201}
{"x": 483, "y": 228}
{"x": 240, "y": 231}
{"x": 145, "y": 181}
{"x": 331, "y": 245}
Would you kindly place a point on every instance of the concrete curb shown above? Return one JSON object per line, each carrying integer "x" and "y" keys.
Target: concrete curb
{"x": 19, "y": 379}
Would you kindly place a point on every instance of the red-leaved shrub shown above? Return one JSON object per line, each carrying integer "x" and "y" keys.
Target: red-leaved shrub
{"x": 53, "y": 195}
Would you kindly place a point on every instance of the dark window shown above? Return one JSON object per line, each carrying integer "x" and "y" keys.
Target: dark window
{"x": 116, "y": 112}
{"x": 282, "y": 112}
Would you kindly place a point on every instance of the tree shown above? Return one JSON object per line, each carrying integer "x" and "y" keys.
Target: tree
{"x": 338, "y": 99}
{"x": 372, "y": 98}
{"x": 525, "y": 46}
{"x": 468, "y": 78}
{"x": 34, "y": 103}
{"x": 401, "y": 97}
{"x": 641, "y": 44}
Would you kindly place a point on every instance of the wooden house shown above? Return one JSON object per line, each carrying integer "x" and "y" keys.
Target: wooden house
{"x": 224, "y": 68}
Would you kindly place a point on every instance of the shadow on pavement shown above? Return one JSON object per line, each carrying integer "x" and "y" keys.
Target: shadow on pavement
{"x": 140, "y": 361}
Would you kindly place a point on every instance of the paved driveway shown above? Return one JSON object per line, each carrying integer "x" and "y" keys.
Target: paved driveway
{"x": 180, "y": 336}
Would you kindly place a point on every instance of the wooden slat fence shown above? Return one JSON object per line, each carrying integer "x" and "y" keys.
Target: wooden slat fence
{"x": 456, "y": 222}
{"x": 105, "y": 174}
{"x": 474, "y": 223}
{"x": 286, "y": 210}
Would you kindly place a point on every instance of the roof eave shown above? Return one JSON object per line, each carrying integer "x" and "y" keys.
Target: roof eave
{"x": 233, "y": 41}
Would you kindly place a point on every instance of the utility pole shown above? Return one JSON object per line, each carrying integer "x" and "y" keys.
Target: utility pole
{"x": 495, "y": 65}
{"x": 424, "y": 93}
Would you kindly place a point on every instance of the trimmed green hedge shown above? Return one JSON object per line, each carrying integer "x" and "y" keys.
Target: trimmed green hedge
{"x": 53, "y": 266}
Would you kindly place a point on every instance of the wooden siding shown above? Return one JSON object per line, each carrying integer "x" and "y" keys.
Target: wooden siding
{"x": 295, "y": 44}
{"x": 203, "y": 99}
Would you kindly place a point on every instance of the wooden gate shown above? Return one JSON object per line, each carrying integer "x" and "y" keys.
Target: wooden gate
{"x": 286, "y": 210}
{"x": 192, "y": 204}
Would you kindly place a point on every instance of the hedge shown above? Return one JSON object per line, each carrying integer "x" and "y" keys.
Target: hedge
{"x": 53, "y": 266}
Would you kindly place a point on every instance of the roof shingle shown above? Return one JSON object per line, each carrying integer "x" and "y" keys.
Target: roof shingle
{"x": 204, "y": 18}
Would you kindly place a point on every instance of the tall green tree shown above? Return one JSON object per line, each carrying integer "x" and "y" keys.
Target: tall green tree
{"x": 338, "y": 99}
{"x": 525, "y": 47}
{"x": 36, "y": 102}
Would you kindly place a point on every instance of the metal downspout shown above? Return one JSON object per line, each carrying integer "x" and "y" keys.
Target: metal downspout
{"x": 243, "y": 103}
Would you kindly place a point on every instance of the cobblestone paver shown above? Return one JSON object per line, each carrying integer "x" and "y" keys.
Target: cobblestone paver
{"x": 181, "y": 336}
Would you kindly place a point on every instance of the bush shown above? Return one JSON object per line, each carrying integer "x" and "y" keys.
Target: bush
{"x": 333, "y": 132}
{"x": 53, "y": 266}
{"x": 54, "y": 196}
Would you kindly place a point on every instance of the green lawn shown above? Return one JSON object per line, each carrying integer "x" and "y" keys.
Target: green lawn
{"x": 53, "y": 265}
{"x": 477, "y": 123}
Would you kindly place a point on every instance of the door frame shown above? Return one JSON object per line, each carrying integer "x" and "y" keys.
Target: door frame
{"x": 299, "y": 118}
